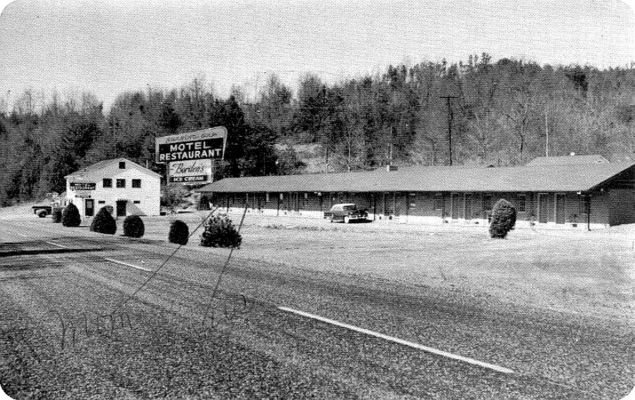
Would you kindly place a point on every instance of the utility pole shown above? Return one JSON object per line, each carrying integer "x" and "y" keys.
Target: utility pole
{"x": 450, "y": 119}
{"x": 546, "y": 136}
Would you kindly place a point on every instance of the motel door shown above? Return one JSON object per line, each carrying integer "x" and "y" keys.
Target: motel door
{"x": 468, "y": 206}
{"x": 454, "y": 204}
{"x": 121, "y": 208}
{"x": 559, "y": 208}
{"x": 543, "y": 213}
{"x": 89, "y": 207}
{"x": 295, "y": 201}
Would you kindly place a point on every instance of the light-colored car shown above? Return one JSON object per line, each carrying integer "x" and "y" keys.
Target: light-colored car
{"x": 346, "y": 212}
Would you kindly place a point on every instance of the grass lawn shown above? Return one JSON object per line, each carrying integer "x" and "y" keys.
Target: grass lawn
{"x": 579, "y": 272}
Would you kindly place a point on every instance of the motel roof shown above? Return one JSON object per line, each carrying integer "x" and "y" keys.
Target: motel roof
{"x": 568, "y": 160}
{"x": 528, "y": 178}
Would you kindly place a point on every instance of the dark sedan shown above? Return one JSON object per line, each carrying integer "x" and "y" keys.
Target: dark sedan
{"x": 346, "y": 213}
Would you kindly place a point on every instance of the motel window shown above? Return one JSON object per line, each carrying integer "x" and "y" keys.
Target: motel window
{"x": 107, "y": 182}
{"x": 522, "y": 201}
{"x": 137, "y": 202}
{"x": 438, "y": 201}
{"x": 122, "y": 165}
{"x": 102, "y": 202}
{"x": 581, "y": 205}
{"x": 136, "y": 183}
{"x": 487, "y": 202}
{"x": 121, "y": 183}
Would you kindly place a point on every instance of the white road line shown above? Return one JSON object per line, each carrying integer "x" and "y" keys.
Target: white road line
{"x": 127, "y": 265}
{"x": 401, "y": 341}
{"x": 58, "y": 245}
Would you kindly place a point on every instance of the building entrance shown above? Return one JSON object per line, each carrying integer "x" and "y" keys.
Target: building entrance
{"x": 121, "y": 208}
{"x": 89, "y": 207}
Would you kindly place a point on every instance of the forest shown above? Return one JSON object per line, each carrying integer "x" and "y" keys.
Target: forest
{"x": 477, "y": 112}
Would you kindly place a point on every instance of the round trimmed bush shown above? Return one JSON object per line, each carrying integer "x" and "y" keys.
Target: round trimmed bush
{"x": 179, "y": 232}
{"x": 56, "y": 214}
{"x": 70, "y": 216}
{"x": 133, "y": 226}
{"x": 41, "y": 213}
{"x": 104, "y": 222}
{"x": 503, "y": 219}
{"x": 220, "y": 232}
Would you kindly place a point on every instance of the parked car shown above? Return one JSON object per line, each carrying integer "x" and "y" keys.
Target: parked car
{"x": 42, "y": 210}
{"x": 346, "y": 213}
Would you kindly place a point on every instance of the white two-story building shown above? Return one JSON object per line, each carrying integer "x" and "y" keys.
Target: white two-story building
{"x": 127, "y": 187}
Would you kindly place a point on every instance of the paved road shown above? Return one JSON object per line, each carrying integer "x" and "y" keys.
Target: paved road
{"x": 104, "y": 321}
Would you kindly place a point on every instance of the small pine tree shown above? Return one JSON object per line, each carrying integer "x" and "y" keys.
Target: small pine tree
{"x": 220, "y": 232}
{"x": 133, "y": 226}
{"x": 57, "y": 214}
{"x": 503, "y": 219}
{"x": 179, "y": 232}
{"x": 70, "y": 216}
{"x": 104, "y": 222}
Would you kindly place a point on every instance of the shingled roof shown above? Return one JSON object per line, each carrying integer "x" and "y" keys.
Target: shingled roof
{"x": 105, "y": 164}
{"x": 541, "y": 178}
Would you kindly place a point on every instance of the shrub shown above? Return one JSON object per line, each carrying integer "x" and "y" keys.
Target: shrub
{"x": 104, "y": 222}
{"x": 503, "y": 219}
{"x": 133, "y": 226}
{"x": 41, "y": 213}
{"x": 173, "y": 196}
{"x": 220, "y": 232}
{"x": 179, "y": 232}
{"x": 57, "y": 214}
{"x": 70, "y": 216}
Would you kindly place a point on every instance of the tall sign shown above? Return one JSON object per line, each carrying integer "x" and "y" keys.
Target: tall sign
{"x": 190, "y": 155}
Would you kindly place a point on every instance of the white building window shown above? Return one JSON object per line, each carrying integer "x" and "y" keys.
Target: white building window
{"x": 136, "y": 183}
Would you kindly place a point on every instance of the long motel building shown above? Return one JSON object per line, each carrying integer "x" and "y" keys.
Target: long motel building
{"x": 572, "y": 191}
{"x": 127, "y": 187}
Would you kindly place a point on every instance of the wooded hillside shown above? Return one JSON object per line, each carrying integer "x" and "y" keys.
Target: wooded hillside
{"x": 498, "y": 113}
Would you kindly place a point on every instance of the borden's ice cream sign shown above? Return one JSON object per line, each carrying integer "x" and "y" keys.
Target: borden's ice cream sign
{"x": 200, "y": 145}
{"x": 190, "y": 155}
{"x": 191, "y": 171}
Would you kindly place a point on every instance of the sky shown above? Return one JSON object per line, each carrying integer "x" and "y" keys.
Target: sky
{"x": 110, "y": 46}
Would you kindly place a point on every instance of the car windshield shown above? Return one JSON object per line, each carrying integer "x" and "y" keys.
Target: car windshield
{"x": 350, "y": 208}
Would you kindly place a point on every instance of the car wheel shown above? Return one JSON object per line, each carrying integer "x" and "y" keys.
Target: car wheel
{"x": 347, "y": 220}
